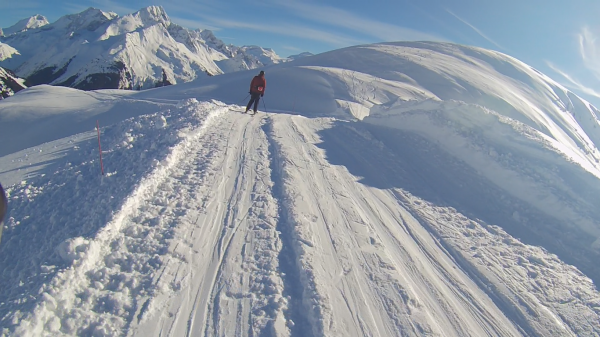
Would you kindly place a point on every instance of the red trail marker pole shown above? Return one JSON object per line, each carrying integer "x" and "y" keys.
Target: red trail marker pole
{"x": 100, "y": 148}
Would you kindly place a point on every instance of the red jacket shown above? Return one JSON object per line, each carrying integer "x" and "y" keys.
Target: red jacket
{"x": 258, "y": 85}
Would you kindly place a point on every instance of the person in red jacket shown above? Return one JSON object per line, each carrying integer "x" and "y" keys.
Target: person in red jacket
{"x": 257, "y": 90}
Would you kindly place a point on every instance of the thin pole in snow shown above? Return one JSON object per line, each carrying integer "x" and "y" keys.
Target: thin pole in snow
{"x": 100, "y": 147}
{"x": 243, "y": 99}
{"x": 264, "y": 106}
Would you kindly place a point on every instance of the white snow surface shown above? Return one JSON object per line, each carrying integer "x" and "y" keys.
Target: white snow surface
{"x": 397, "y": 189}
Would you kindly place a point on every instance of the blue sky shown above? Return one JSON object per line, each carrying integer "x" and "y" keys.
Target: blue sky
{"x": 560, "y": 38}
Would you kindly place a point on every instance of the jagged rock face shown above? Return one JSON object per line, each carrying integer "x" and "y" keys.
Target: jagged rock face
{"x": 9, "y": 83}
{"x": 97, "y": 50}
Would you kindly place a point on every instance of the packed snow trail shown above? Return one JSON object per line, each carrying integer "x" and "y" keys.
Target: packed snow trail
{"x": 225, "y": 251}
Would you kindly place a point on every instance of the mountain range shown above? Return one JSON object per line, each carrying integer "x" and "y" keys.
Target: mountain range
{"x": 101, "y": 50}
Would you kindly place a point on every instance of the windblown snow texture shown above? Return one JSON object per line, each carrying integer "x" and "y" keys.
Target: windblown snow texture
{"x": 423, "y": 189}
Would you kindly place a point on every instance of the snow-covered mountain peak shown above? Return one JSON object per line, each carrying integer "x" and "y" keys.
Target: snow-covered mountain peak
{"x": 210, "y": 37}
{"x": 152, "y": 15}
{"x": 33, "y": 22}
{"x": 90, "y": 20}
{"x": 141, "y": 19}
{"x": 264, "y": 55}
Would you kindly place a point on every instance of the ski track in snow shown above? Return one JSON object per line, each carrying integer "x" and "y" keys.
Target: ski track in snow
{"x": 250, "y": 227}
{"x": 370, "y": 274}
{"x": 227, "y": 246}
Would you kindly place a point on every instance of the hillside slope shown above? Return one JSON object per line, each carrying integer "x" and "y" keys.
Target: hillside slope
{"x": 400, "y": 189}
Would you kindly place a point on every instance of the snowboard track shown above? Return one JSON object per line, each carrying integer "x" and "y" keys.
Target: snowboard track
{"x": 480, "y": 279}
{"x": 295, "y": 281}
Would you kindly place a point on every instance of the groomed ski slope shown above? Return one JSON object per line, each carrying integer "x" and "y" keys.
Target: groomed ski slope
{"x": 271, "y": 225}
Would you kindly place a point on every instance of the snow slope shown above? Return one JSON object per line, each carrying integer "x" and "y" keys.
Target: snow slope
{"x": 383, "y": 202}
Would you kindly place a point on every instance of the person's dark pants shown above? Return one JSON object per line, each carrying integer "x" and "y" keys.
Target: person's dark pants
{"x": 254, "y": 99}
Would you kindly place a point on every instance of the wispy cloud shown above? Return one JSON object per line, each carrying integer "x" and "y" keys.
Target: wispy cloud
{"x": 589, "y": 51}
{"x": 340, "y": 18}
{"x": 477, "y": 30}
{"x": 24, "y": 4}
{"x": 192, "y": 7}
{"x": 13, "y": 11}
{"x": 104, "y": 5}
{"x": 573, "y": 83}
{"x": 292, "y": 49}
{"x": 589, "y": 46}
{"x": 193, "y": 24}
{"x": 286, "y": 29}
